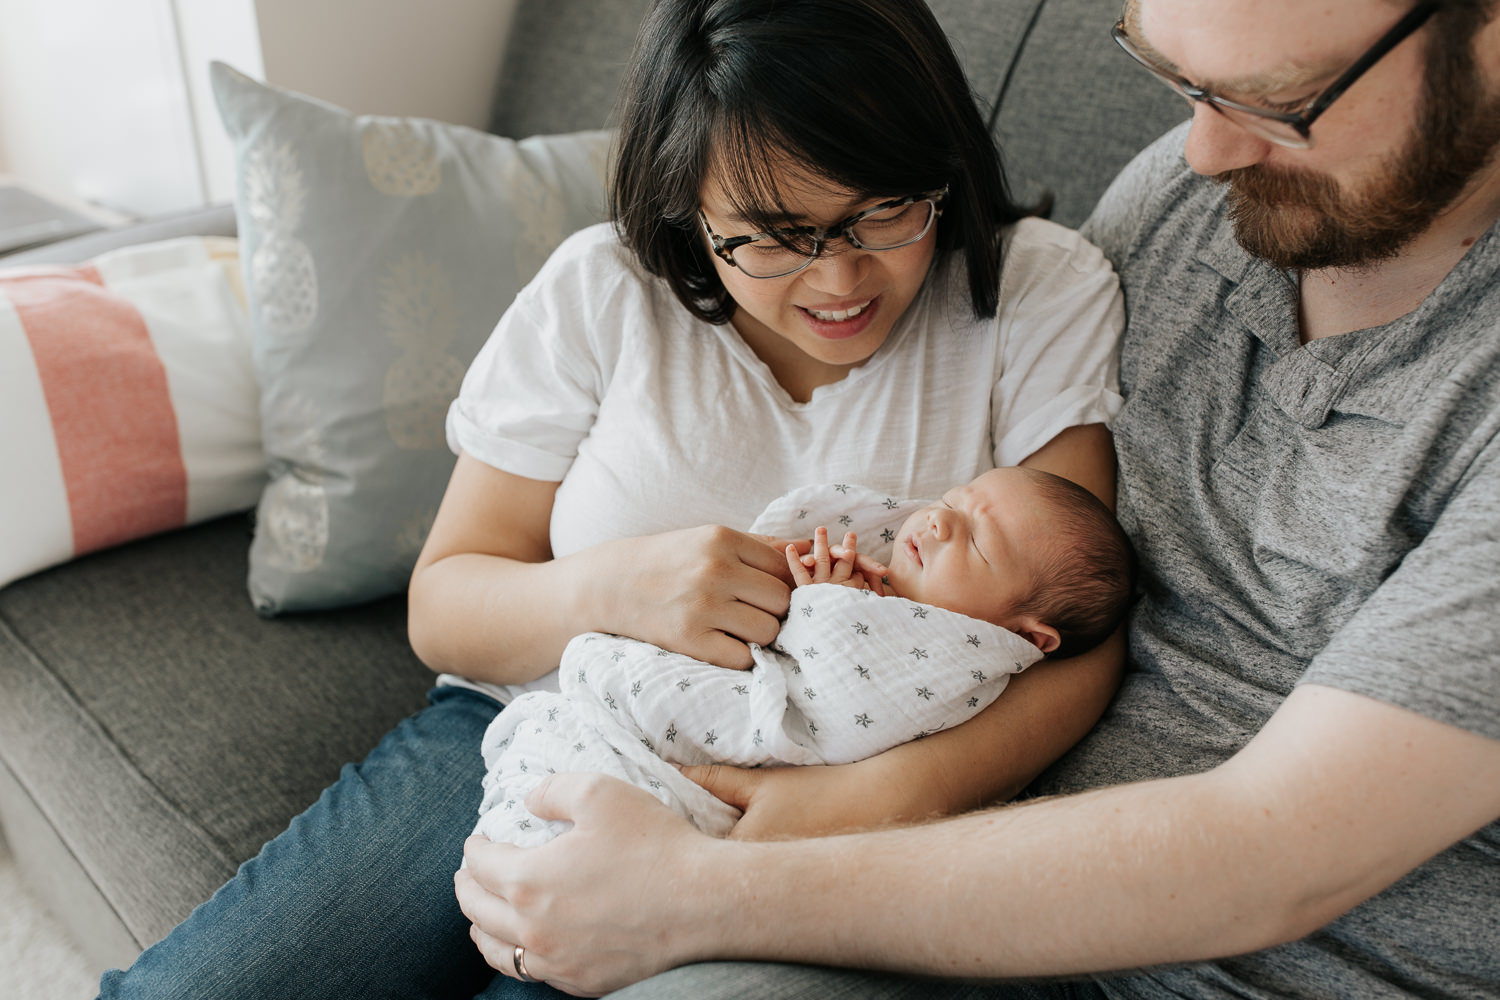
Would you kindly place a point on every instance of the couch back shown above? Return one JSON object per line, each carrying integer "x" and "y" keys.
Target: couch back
{"x": 1067, "y": 108}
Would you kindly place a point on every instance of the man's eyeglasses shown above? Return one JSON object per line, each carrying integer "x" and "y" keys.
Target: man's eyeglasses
{"x": 891, "y": 224}
{"x": 1288, "y": 128}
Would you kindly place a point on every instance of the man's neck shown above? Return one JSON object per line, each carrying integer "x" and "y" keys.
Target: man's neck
{"x": 1340, "y": 300}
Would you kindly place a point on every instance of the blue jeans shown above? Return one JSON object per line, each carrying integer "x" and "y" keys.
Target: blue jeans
{"x": 354, "y": 901}
{"x": 355, "y": 898}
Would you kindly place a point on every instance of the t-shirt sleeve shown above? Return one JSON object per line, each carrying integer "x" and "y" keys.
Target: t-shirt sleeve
{"x": 533, "y": 391}
{"x": 1061, "y": 317}
{"x": 1428, "y": 638}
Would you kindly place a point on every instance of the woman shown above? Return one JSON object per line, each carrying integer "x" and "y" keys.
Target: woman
{"x": 803, "y": 284}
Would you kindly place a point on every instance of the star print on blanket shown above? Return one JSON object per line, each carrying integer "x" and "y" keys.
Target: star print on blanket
{"x": 851, "y": 675}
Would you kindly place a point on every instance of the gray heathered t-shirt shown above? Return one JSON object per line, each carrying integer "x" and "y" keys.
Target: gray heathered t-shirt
{"x": 1327, "y": 513}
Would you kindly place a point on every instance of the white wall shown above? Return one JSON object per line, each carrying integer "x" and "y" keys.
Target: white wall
{"x": 208, "y": 30}
{"x": 107, "y": 101}
{"x": 92, "y": 104}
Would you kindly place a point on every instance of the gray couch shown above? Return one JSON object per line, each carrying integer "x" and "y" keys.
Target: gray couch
{"x": 154, "y": 731}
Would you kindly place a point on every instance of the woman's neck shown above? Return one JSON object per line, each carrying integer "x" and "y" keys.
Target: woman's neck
{"x": 794, "y": 370}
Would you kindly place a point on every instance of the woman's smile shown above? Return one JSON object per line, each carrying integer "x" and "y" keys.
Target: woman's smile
{"x": 841, "y": 323}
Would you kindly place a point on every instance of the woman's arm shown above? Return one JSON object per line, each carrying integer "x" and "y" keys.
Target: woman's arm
{"x": 1042, "y": 713}
{"x": 489, "y": 602}
{"x": 1335, "y": 799}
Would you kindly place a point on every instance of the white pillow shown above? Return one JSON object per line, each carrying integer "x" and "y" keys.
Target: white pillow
{"x": 128, "y": 398}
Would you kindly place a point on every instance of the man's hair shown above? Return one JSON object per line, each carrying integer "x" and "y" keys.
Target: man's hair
{"x": 1084, "y": 570}
{"x": 865, "y": 95}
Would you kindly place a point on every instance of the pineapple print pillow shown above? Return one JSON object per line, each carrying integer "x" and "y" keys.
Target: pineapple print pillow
{"x": 378, "y": 254}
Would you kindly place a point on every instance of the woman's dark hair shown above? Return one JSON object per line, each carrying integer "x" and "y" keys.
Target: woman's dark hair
{"x": 864, "y": 94}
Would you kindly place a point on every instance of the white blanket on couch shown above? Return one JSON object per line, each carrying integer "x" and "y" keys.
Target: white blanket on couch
{"x": 850, "y": 675}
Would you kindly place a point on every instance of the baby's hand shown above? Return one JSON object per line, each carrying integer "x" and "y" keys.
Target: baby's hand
{"x": 842, "y": 566}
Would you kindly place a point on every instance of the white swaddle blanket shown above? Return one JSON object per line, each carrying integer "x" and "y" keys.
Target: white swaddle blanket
{"x": 850, "y": 675}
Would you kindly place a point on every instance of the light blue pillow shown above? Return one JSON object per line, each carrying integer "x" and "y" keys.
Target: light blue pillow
{"x": 378, "y": 254}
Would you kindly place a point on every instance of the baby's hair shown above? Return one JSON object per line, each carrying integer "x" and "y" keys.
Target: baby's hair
{"x": 1084, "y": 572}
{"x": 866, "y": 95}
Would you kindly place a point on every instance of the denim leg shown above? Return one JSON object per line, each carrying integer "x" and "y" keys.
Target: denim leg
{"x": 769, "y": 981}
{"x": 355, "y": 898}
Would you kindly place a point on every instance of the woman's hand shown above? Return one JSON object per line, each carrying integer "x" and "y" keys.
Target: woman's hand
{"x": 707, "y": 592}
{"x": 814, "y": 800}
{"x": 606, "y": 904}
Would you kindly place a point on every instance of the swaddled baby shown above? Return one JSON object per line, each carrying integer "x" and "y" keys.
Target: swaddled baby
{"x": 975, "y": 587}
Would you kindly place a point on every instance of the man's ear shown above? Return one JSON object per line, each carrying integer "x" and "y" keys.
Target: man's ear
{"x": 1038, "y": 633}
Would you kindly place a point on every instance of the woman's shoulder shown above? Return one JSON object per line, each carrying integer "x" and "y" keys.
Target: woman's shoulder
{"x": 592, "y": 268}
{"x": 1041, "y": 259}
{"x": 1035, "y": 242}
{"x": 593, "y": 248}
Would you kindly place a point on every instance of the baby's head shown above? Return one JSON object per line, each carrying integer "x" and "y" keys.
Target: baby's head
{"x": 1022, "y": 549}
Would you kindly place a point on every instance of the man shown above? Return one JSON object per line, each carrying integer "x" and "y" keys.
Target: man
{"x": 1297, "y": 789}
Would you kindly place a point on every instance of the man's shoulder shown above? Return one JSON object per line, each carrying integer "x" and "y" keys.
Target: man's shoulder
{"x": 1155, "y": 192}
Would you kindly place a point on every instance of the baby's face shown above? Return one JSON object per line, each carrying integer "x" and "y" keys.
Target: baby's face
{"x": 971, "y": 551}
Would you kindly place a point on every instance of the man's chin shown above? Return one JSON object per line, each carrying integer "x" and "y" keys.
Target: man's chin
{"x": 1297, "y": 237}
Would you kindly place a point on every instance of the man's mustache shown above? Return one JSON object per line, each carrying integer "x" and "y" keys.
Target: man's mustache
{"x": 1270, "y": 187}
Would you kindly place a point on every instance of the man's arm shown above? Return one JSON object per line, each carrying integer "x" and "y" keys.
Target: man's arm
{"x": 1335, "y": 799}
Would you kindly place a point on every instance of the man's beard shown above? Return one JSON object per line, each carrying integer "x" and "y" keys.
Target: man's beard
{"x": 1303, "y": 220}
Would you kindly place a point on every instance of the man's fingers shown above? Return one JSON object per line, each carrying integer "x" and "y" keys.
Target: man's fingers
{"x": 576, "y": 797}
{"x": 478, "y": 892}
{"x": 497, "y": 954}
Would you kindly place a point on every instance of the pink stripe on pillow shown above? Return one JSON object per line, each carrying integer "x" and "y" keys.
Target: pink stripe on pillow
{"x": 107, "y": 394}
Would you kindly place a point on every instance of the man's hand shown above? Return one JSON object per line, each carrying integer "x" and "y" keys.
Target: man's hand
{"x": 608, "y": 903}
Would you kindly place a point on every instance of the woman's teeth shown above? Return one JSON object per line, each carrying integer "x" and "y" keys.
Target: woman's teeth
{"x": 838, "y": 315}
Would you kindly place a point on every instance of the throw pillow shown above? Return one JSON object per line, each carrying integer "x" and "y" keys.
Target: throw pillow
{"x": 128, "y": 398}
{"x": 378, "y": 255}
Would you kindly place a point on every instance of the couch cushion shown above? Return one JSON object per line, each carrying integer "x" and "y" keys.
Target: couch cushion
{"x": 1076, "y": 108}
{"x": 563, "y": 63}
{"x": 1068, "y": 112}
{"x": 379, "y": 254}
{"x": 214, "y": 220}
{"x": 165, "y": 730}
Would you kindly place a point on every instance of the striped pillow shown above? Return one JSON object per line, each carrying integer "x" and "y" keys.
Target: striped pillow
{"x": 128, "y": 398}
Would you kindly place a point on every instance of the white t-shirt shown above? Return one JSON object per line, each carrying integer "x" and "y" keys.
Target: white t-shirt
{"x": 653, "y": 420}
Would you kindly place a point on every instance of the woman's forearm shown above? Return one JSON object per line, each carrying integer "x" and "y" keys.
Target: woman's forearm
{"x": 489, "y": 618}
{"x": 994, "y": 755}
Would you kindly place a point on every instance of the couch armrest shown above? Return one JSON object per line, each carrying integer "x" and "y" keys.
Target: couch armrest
{"x": 215, "y": 220}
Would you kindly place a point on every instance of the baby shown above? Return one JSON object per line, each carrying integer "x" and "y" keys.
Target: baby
{"x": 1014, "y": 566}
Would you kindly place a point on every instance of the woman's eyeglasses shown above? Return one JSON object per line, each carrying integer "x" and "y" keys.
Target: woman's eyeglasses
{"x": 775, "y": 254}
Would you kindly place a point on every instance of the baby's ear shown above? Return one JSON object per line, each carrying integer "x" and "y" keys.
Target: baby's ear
{"x": 1038, "y": 633}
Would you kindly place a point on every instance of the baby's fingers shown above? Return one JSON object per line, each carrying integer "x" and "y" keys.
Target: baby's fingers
{"x": 845, "y": 565}
{"x": 800, "y": 576}
{"x": 822, "y": 561}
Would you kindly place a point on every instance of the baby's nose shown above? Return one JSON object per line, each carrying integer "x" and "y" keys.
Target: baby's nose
{"x": 941, "y": 524}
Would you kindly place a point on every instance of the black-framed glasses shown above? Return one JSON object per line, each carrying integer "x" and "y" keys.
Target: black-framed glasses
{"x": 1287, "y": 128}
{"x": 896, "y": 223}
